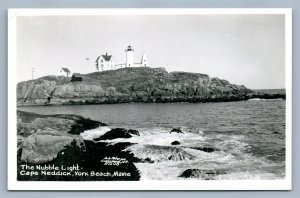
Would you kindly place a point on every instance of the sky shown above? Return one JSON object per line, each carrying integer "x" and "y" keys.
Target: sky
{"x": 243, "y": 49}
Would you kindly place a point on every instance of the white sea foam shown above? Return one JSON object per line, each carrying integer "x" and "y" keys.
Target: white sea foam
{"x": 160, "y": 153}
{"x": 162, "y": 137}
{"x": 235, "y": 168}
{"x": 263, "y": 99}
{"x": 169, "y": 161}
{"x": 94, "y": 133}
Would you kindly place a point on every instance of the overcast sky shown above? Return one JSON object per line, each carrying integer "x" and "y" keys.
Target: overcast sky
{"x": 243, "y": 49}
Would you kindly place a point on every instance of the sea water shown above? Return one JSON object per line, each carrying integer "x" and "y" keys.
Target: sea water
{"x": 248, "y": 137}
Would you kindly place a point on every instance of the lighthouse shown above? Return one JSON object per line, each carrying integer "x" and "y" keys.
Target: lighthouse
{"x": 129, "y": 56}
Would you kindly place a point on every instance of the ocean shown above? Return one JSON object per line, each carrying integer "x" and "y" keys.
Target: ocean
{"x": 246, "y": 138}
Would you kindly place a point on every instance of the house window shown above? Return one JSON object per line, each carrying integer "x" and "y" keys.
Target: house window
{"x": 102, "y": 65}
{"x": 101, "y": 60}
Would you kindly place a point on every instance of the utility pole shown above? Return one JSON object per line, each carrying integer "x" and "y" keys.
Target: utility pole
{"x": 32, "y": 72}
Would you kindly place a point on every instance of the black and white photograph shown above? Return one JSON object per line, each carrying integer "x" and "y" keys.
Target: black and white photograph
{"x": 149, "y": 99}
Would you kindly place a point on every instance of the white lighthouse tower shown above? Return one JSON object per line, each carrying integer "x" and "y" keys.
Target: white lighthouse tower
{"x": 129, "y": 56}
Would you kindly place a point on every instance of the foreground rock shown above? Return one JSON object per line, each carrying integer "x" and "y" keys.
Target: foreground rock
{"x": 28, "y": 123}
{"x": 54, "y": 140}
{"x": 204, "y": 149}
{"x": 202, "y": 174}
{"x": 118, "y": 133}
{"x": 140, "y": 84}
{"x": 41, "y": 137}
{"x": 176, "y": 130}
{"x": 43, "y": 146}
{"x": 175, "y": 143}
{"x": 97, "y": 158}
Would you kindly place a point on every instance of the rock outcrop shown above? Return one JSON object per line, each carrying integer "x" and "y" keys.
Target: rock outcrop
{"x": 43, "y": 146}
{"x": 176, "y": 130}
{"x": 175, "y": 143}
{"x": 55, "y": 140}
{"x": 28, "y": 123}
{"x": 117, "y": 133}
{"x": 205, "y": 149}
{"x": 41, "y": 137}
{"x": 125, "y": 85}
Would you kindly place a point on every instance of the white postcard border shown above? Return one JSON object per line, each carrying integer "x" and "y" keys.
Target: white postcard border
{"x": 13, "y": 184}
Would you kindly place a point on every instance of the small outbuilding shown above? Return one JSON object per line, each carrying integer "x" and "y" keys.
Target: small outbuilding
{"x": 63, "y": 71}
{"x": 76, "y": 77}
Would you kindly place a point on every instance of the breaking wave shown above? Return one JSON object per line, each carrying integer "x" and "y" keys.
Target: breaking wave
{"x": 94, "y": 133}
{"x": 206, "y": 153}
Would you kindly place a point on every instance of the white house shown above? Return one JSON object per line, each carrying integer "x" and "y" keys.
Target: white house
{"x": 64, "y": 72}
{"x": 105, "y": 62}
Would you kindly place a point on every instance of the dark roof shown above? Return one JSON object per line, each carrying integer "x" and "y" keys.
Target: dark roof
{"x": 76, "y": 74}
{"x": 106, "y": 57}
{"x": 129, "y": 48}
{"x": 65, "y": 69}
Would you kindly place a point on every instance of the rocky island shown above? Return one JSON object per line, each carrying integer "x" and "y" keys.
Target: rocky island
{"x": 127, "y": 85}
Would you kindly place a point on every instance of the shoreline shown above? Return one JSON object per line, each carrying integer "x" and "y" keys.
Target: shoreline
{"x": 85, "y": 101}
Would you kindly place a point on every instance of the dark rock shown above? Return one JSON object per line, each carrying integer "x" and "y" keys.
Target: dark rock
{"x": 148, "y": 160}
{"x": 70, "y": 154}
{"x": 202, "y": 174}
{"x": 85, "y": 124}
{"x": 134, "y": 132}
{"x": 268, "y": 94}
{"x": 94, "y": 150}
{"x": 117, "y": 133}
{"x": 28, "y": 123}
{"x": 205, "y": 149}
{"x": 175, "y": 143}
{"x": 176, "y": 130}
{"x": 90, "y": 159}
